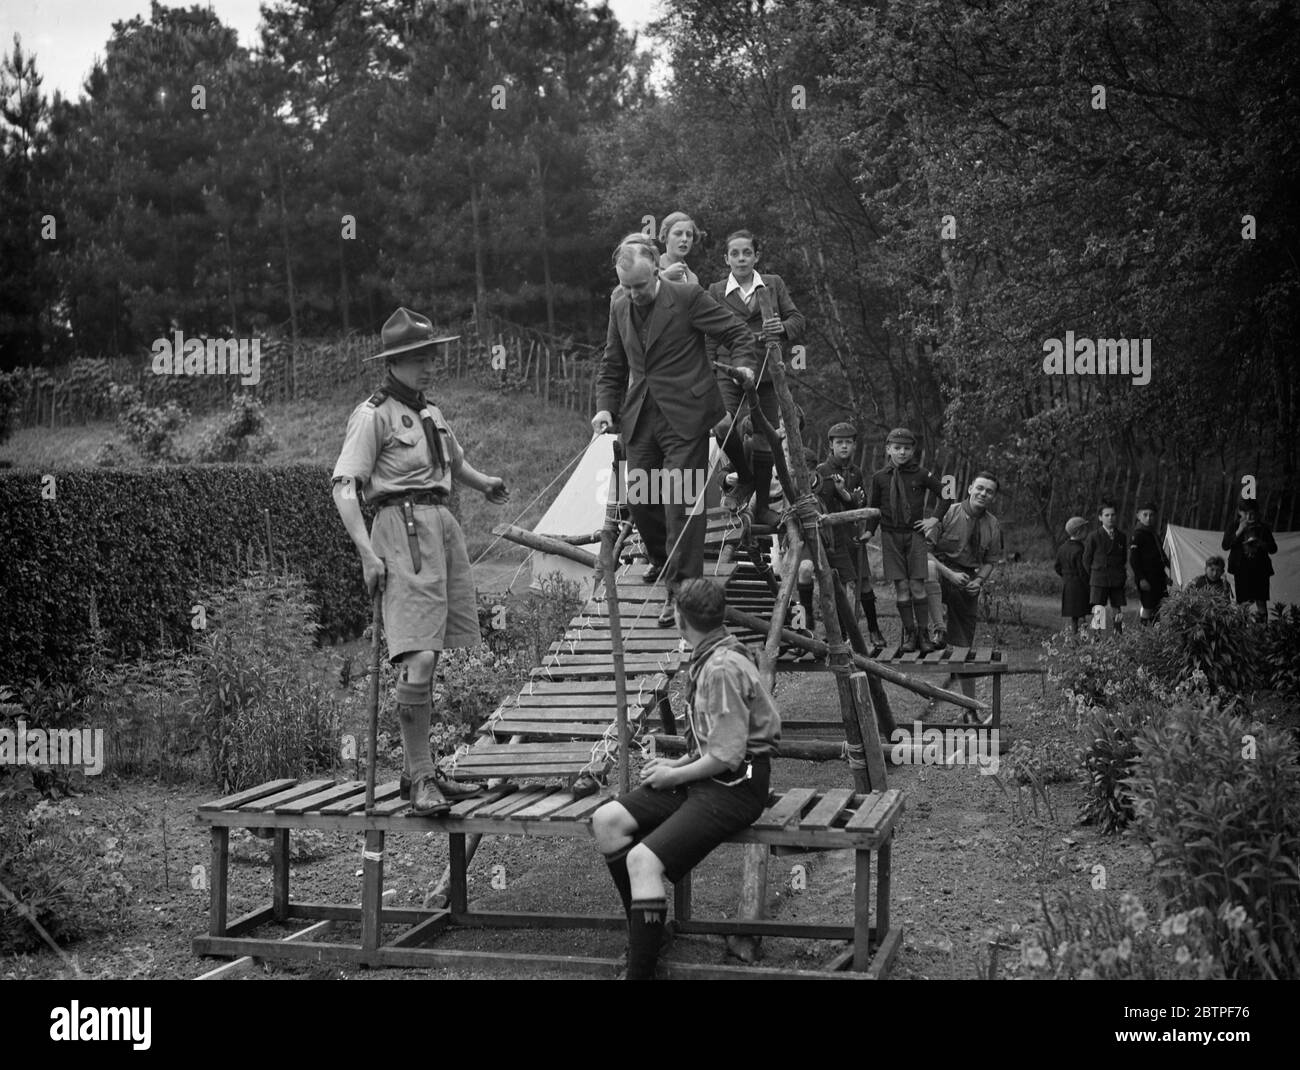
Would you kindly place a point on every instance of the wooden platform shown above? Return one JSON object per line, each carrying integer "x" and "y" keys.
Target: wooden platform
{"x": 799, "y": 818}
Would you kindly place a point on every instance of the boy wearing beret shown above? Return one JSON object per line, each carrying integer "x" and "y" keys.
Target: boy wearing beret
{"x": 1074, "y": 577}
{"x": 401, "y": 455}
{"x": 898, "y": 491}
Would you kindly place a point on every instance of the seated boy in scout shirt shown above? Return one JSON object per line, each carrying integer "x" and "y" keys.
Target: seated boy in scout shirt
{"x": 401, "y": 454}
{"x": 686, "y": 806}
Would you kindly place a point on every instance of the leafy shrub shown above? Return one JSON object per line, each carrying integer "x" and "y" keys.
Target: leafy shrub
{"x": 1278, "y": 650}
{"x": 242, "y": 435}
{"x": 1109, "y": 941}
{"x": 1108, "y": 760}
{"x": 1223, "y": 821}
{"x": 261, "y": 712}
{"x": 1105, "y": 673}
{"x": 49, "y": 707}
{"x": 1001, "y": 605}
{"x": 1208, "y": 634}
{"x": 150, "y": 429}
{"x": 473, "y": 683}
{"x": 61, "y": 873}
{"x": 530, "y": 621}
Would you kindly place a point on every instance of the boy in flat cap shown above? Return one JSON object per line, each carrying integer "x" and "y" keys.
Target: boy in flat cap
{"x": 400, "y": 453}
{"x": 839, "y": 487}
{"x": 898, "y": 491}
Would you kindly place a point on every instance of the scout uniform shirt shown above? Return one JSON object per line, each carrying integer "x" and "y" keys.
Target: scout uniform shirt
{"x": 731, "y": 714}
{"x": 967, "y": 541}
{"x": 386, "y": 451}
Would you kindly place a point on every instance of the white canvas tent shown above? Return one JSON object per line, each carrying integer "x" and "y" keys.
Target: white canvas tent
{"x": 579, "y": 509}
{"x": 1189, "y": 547}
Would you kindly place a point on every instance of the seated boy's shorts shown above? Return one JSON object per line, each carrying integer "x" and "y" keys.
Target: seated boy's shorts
{"x": 905, "y": 555}
{"x": 435, "y": 608}
{"x": 684, "y": 825}
{"x": 1099, "y": 596}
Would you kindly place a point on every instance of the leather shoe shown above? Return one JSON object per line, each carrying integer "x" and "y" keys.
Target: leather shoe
{"x": 454, "y": 789}
{"x": 738, "y": 497}
{"x": 668, "y": 615}
{"x": 875, "y": 638}
{"x": 426, "y": 799}
{"x": 652, "y": 573}
{"x": 585, "y": 785}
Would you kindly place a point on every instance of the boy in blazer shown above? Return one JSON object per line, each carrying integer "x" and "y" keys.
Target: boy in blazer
{"x": 1105, "y": 556}
{"x": 744, "y": 293}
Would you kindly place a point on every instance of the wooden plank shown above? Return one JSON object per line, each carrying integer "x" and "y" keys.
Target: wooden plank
{"x": 536, "y": 770}
{"x": 579, "y": 811}
{"x": 321, "y": 798}
{"x": 789, "y": 807}
{"x": 563, "y": 729}
{"x": 584, "y": 715}
{"x": 390, "y": 807}
{"x": 505, "y": 750}
{"x": 557, "y": 800}
{"x": 353, "y": 803}
{"x": 298, "y": 791}
{"x": 230, "y": 802}
{"x": 984, "y": 654}
{"x": 468, "y": 807}
{"x": 958, "y": 655}
{"x": 531, "y": 703}
{"x": 589, "y": 687}
{"x": 831, "y": 805}
{"x": 510, "y": 804}
{"x": 888, "y": 652}
{"x": 934, "y": 657}
{"x": 584, "y": 657}
{"x": 870, "y": 818}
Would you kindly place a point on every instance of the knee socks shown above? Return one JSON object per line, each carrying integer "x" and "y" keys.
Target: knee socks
{"x": 414, "y": 711}
{"x": 905, "y": 614}
{"x": 921, "y": 611}
{"x": 645, "y": 936}
{"x": 934, "y": 600}
{"x": 868, "y": 599}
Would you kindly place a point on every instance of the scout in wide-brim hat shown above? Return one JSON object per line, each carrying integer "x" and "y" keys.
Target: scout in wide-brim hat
{"x": 405, "y": 332}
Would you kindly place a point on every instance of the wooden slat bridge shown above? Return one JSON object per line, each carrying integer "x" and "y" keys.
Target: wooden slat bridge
{"x": 838, "y": 819}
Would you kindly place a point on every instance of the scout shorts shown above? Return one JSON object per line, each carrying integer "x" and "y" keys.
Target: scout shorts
{"x": 1100, "y": 596}
{"x": 684, "y": 825}
{"x": 435, "y": 608}
{"x": 905, "y": 555}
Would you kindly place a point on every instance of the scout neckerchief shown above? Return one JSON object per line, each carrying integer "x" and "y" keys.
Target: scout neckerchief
{"x": 699, "y": 656}
{"x": 975, "y": 541}
{"x": 416, "y": 402}
{"x": 898, "y": 505}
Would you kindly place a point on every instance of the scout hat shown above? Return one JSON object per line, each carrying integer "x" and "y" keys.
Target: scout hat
{"x": 1075, "y": 525}
{"x": 842, "y": 430}
{"x": 405, "y": 332}
{"x": 900, "y": 436}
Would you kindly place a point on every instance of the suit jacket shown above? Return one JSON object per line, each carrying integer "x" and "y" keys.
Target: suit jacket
{"x": 790, "y": 316}
{"x": 1147, "y": 559}
{"x": 673, "y": 365}
{"x": 1105, "y": 558}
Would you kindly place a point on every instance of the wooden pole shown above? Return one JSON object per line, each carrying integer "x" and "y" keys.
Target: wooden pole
{"x": 546, "y": 544}
{"x": 874, "y": 668}
{"x": 376, "y": 622}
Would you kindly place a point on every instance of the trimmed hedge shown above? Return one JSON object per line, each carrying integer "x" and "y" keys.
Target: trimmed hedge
{"x": 148, "y": 543}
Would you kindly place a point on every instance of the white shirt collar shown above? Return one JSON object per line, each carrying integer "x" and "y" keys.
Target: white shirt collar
{"x": 754, "y": 283}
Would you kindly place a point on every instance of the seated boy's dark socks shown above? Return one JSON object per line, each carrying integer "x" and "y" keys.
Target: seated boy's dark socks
{"x": 645, "y": 936}
{"x": 617, "y": 863}
{"x": 906, "y": 615}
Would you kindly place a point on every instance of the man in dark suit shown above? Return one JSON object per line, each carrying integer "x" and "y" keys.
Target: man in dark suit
{"x": 656, "y": 382}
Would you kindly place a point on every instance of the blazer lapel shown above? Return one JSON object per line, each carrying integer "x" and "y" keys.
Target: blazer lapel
{"x": 738, "y": 306}
{"x": 659, "y": 315}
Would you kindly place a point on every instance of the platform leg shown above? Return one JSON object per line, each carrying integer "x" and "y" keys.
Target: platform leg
{"x": 458, "y": 900}
{"x": 372, "y": 887}
{"x": 861, "y": 910}
{"x": 997, "y": 700}
{"x": 882, "y": 888}
{"x": 218, "y": 881}
{"x": 280, "y": 874}
{"x": 682, "y": 899}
